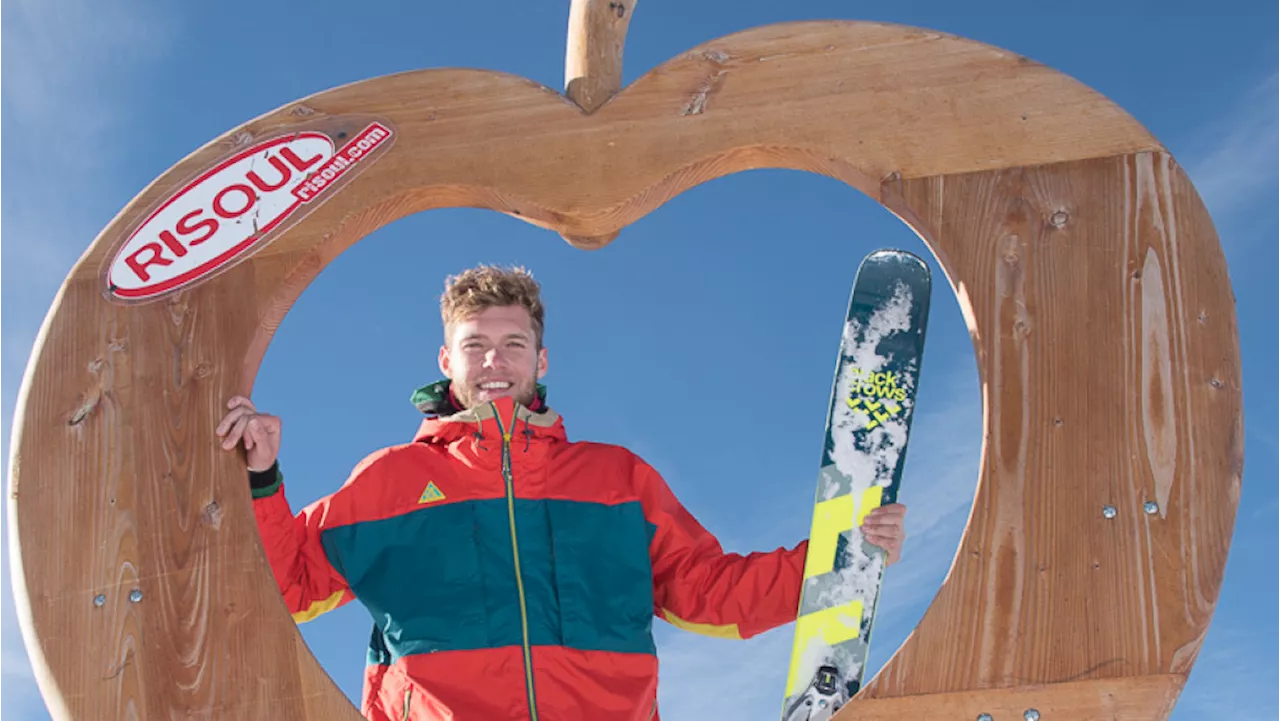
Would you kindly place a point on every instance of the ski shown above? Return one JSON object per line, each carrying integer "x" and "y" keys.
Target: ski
{"x": 868, "y": 422}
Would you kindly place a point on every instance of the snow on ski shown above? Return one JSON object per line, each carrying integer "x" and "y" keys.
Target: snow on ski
{"x": 868, "y": 421}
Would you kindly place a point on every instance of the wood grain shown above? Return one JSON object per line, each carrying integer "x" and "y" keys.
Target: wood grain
{"x": 1089, "y": 271}
{"x": 1135, "y": 698}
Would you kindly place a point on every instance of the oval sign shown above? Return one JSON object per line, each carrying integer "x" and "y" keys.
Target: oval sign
{"x": 224, "y": 212}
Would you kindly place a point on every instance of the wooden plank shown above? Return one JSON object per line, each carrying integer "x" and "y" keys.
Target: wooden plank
{"x": 1133, "y": 698}
{"x": 856, "y": 101}
{"x": 1097, "y": 299}
{"x": 117, "y": 483}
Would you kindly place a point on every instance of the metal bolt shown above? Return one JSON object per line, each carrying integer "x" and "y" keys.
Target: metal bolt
{"x": 1059, "y": 218}
{"x": 100, "y": 600}
{"x": 984, "y": 717}
{"x": 1031, "y": 715}
{"x": 135, "y": 595}
{"x": 1108, "y": 511}
{"x": 1151, "y": 507}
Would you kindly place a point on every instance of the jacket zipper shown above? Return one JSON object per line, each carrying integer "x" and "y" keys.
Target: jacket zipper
{"x": 515, "y": 554}
{"x": 408, "y": 696}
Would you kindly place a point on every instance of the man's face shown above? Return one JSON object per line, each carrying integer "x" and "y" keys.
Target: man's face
{"x": 492, "y": 355}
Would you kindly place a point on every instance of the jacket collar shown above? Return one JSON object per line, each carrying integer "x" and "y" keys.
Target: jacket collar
{"x": 437, "y": 399}
{"x": 445, "y": 422}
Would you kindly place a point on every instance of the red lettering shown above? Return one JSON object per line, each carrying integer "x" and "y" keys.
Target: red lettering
{"x": 280, "y": 167}
{"x": 210, "y": 226}
{"x": 139, "y": 266}
{"x": 249, "y": 195}
{"x": 173, "y": 243}
{"x": 297, "y": 162}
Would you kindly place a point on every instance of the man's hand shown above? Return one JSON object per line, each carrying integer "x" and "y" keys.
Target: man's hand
{"x": 259, "y": 431}
{"x": 885, "y": 527}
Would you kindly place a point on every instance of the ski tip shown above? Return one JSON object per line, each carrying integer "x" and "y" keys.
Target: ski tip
{"x": 897, "y": 255}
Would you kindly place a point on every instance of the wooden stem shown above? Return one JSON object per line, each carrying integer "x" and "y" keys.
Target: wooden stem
{"x": 593, "y": 67}
{"x": 593, "y": 53}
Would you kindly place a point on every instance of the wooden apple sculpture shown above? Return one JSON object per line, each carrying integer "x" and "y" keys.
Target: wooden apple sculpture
{"x": 1085, "y": 263}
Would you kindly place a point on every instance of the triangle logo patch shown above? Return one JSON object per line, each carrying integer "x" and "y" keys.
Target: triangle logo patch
{"x": 431, "y": 493}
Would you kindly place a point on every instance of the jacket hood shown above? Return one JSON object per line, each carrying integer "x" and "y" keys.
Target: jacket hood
{"x": 446, "y": 422}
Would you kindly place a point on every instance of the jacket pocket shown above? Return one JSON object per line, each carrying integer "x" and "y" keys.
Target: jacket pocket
{"x": 603, "y": 577}
{"x": 424, "y": 586}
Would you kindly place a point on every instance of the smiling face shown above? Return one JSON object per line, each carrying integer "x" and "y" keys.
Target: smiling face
{"x": 493, "y": 354}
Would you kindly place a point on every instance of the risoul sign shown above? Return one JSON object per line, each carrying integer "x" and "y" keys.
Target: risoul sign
{"x": 227, "y": 210}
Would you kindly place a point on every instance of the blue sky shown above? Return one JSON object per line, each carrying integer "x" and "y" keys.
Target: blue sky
{"x": 647, "y": 334}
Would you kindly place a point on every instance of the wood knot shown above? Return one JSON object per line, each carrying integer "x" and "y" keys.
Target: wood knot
{"x": 1057, "y": 422}
{"x": 86, "y": 407}
{"x": 203, "y": 370}
{"x": 301, "y": 111}
{"x": 716, "y": 56}
{"x": 619, "y": 10}
{"x": 213, "y": 515}
{"x": 1215, "y": 382}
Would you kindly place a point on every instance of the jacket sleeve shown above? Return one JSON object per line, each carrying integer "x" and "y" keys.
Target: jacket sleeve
{"x": 307, "y": 579}
{"x": 700, "y": 588}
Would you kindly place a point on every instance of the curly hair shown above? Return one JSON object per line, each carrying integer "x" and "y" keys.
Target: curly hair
{"x": 488, "y": 286}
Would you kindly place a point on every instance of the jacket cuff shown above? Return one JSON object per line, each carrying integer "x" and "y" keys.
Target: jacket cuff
{"x": 266, "y": 483}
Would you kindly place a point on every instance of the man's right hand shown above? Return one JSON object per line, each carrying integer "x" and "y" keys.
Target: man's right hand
{"x": 259, "y": 431}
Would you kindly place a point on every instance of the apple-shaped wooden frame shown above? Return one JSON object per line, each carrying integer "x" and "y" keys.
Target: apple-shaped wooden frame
{"x": 1086, "y": 265}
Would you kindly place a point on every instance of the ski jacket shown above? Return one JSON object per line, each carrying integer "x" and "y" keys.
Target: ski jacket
{"x": 512, "y": 573}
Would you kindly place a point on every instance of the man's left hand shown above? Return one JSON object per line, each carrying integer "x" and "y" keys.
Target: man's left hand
{"x": 885, "y": 527}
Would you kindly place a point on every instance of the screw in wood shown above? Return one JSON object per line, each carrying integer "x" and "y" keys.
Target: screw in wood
{"x": 1031, "y": 715}
{"x": 135, "y": 595}
{"x": 1108, "y": 511}
{"x": 1150, "y": 507}
{"x": 984, "y": 717}
{"x": 100, "y": 600}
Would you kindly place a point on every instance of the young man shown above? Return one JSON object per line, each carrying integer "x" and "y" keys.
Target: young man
{"x": 510, "y": 572}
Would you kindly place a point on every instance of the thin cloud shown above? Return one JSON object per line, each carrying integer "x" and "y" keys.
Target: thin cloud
{"x": 73, "y": 68}
{"x": 702, "y": 677}
{"x": 1229, "y": 673}
{"x": 1238, "y": 163}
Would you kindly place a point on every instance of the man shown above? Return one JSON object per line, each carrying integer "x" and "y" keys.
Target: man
{"x": 510, "y": 572}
